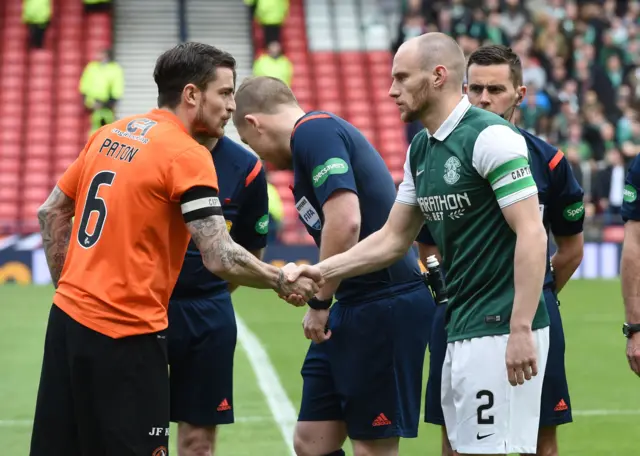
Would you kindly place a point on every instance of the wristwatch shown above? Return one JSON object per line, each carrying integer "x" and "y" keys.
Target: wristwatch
{"x": 629, "y": 329}
{"x": 316, "y": 304}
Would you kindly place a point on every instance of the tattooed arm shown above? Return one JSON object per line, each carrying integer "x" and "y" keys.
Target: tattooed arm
{"x": 55, "y": 217}
{"x": 259, "y": 254}
{"x": 228, "y": 260}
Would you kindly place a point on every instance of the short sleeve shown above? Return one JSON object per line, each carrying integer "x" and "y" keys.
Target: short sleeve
{"x": 70, "y": 179}
{"x": 424, "y": 237}
{"x": 191, "y": 168}
{"x": 407, "y": 188}
{"x": 252, "y": 225}
{"x": 566, "y": 210}
{"x": 630, "y": 206}
{"x": 501, "y": 156}
{"x": 319, "y": 147}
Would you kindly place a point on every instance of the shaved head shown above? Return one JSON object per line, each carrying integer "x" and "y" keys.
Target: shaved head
{"x": 434, "y": 49}
{"x": 426, "y": 70}
{"x": 261, "y": 95}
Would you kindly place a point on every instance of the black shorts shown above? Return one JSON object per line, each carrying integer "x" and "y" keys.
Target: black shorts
{"x": 202, "y": 341}
{"x": 100, "y": 396}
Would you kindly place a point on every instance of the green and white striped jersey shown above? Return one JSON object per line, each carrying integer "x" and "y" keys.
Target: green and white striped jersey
{"x": 461, "y": 177}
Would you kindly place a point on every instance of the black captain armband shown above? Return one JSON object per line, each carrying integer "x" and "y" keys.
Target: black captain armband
{"x": 200, "y": 202}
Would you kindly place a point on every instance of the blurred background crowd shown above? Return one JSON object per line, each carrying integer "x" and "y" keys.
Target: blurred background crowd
{"x": 581, "y": 62}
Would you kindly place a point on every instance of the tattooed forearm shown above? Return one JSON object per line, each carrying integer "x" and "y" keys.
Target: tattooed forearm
{"x": 54, "y": 217}
{"x": 227, "y": 259}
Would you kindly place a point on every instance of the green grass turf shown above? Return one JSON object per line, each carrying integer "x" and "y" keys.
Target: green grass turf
{"x": 599, "y": 377}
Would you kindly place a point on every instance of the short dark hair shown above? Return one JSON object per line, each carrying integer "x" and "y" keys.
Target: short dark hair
{"x": 497, "y": 54}
{"x": 261, "y": 94}
{"x": 188, "y": 63}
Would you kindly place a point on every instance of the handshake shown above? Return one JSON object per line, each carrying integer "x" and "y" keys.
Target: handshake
{"x": 298, "y": 284}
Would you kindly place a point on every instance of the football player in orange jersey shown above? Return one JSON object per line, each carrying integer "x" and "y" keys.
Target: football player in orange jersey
{"x": 140, "y": 189}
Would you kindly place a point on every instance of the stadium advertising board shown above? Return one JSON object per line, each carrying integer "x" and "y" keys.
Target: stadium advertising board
{"x": 22, "y": 260}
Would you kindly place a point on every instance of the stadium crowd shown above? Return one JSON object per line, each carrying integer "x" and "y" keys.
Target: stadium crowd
{"x": 580, "y": 62}
{"x": 581, "y": 67}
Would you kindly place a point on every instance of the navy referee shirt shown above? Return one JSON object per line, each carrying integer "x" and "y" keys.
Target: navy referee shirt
{"x": 245, "y": 204}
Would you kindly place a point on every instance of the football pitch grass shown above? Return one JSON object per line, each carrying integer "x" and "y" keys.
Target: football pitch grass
{"x": 271, "y": 347}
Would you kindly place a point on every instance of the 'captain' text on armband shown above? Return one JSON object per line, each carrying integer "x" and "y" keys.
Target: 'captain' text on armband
{"x": 199, "y": 203}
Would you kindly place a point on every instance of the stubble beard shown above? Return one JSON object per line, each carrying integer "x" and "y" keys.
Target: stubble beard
{"x": 421, "y": 103}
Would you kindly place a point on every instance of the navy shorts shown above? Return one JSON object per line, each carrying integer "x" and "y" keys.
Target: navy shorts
{"x": 556, "y": 403}
{"x": 369, "y": 374}
{"x": 202, "y": 341}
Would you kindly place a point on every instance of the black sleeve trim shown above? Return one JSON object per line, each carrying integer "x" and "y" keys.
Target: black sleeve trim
{"x": 200, "y": 202}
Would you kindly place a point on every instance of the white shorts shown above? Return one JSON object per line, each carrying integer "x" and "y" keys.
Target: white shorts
{"x": 484, "y": 414}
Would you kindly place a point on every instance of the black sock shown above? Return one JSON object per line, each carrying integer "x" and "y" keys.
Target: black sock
{"x": 336, "y": 453}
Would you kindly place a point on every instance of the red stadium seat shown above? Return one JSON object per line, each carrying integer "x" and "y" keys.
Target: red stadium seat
{"x": 290, "y": 212}
{"x": 289, "y": 237}
{"x": 281, "y": 178}
{"x": 37, "y": 193}
{"x": 10, "y": 167}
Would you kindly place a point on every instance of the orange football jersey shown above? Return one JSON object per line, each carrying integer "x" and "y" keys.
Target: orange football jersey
{"x": 129, "y": 238}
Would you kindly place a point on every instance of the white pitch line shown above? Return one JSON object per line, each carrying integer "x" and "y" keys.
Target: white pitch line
{"x": 279, "y": 403}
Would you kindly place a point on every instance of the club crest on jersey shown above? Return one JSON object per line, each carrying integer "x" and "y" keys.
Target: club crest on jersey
{"x": 451, "y": 167}
{"x": 308, "y": 213}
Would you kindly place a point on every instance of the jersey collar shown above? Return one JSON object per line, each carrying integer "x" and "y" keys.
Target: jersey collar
{"x": 171, "y": 117}
{"x": 453, "y": 120}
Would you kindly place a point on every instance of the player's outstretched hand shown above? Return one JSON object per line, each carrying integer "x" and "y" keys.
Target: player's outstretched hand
{"x": 295, "y": 274}
{"x": 315, "y": 325}
{"x": 301, "y": 283}
{"x": 521, "y": 357}
{"x": 633, "y": 353}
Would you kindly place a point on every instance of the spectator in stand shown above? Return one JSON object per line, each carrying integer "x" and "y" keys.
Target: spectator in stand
{"x": 583, "y": 57}
{"x": 274, "y": 63}
{"x": 270, "y": 14}
{"x": 96, "y": 5}
{"x": 102, "y": 85}
{"x": 36, "y": 14}
{"x": 609, "y": 185}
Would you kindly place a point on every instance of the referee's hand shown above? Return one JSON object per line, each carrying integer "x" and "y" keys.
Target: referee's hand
{"x": 633, "y": 353}
{"x": 315, "y": 324}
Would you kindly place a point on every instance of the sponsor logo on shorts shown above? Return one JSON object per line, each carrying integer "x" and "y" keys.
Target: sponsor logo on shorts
{"x": 331, "y": 166}
{"x": 262, "y": 225}
{"x": 224, "y": 405}
{"x": 574, "y": 211}
{"x": 158, "y": 431}
{"x": 561, "y": 406}
{"x": 480, "y": 437}
{"x": 381, "y": 420}
{"x": 629, "y": 194}
{"x": 160, "y": 451}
